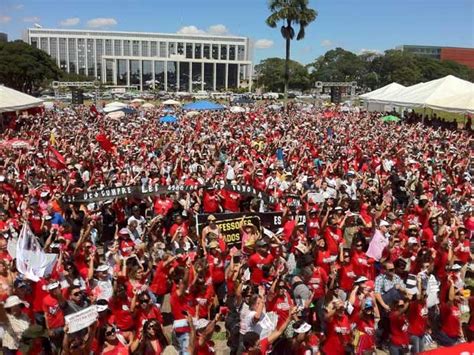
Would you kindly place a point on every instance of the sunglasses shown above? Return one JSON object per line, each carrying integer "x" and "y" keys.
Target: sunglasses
{"x": 144, "y": 301}
{"x": 359, "y": 245}
{"x": 110, "y": 332}
{"x": 75, "y": 294}
{"x": 391, "y": 269}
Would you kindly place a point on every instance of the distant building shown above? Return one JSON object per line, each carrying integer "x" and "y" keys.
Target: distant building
{"x": 456, "y": 54}
{"x": 3, "y": 37}
{"x": 164, "y": 61}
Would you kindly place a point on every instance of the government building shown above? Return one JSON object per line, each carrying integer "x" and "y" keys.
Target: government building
{"x": 171, "y": 62}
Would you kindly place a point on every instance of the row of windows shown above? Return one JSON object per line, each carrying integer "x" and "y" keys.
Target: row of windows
{"x": 142, "y": 48}
{"x": 173, "y": 75}
{"x": 172, "y": 37}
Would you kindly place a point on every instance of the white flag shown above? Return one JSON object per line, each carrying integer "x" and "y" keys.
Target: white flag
{"x": 31, "y": 260}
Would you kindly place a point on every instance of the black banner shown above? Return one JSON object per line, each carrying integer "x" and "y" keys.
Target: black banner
{"x": 138, "y": 191}
{"x": 229, "y": 224}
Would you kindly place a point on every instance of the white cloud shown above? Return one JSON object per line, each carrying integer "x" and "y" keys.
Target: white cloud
{"x": 5, "y": 19}
{"x": 19, "y": 7}
{"x": 31, "y": 19}
{"x": 72, "y": 21}
{"x": 263, "y": 43}
{"x": 191, "y": 30}
{"x": 218, "y": 30}
{"x": 101, "y": 22}
{"x": 326, "y": 43}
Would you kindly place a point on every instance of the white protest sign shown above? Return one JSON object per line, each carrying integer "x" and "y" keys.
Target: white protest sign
{"x": 82, "y": 319}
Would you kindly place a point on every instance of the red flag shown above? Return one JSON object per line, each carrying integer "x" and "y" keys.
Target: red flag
{"x": 93, "y": 111}
{"x": 104, "y": 142}
{"x": 55, "y": 159}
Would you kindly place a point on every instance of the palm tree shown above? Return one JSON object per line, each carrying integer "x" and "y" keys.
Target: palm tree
{"x": 290, "y": 12}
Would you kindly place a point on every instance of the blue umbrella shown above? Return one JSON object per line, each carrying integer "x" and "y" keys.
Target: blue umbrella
{"x": 168, "y": 119}
{"x": 203, "y": 106}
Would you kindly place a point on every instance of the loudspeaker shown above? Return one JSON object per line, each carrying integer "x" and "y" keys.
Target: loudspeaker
{"x": 77, "y": 97}
{"x": 336, "y": 95}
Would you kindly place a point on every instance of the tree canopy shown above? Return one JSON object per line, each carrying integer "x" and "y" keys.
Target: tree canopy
{"x": 271, "y": 74}
{"x": 25, "y": 68}
{"x": 374, "y": 70}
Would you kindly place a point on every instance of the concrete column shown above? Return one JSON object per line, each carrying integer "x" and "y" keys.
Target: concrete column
{"x": 202, "y": 73}
{"x": 214, "y": 65}
{"x": 57, "y": 52}
{"x": 128, "y": 71}
{"x": 226, "y": 76}
{"x": 121, "y": 47}
{"x": 67, "y": 54}
{"x": 191, "y": 75}
{"x": 86, "y": 61}
{"x": 77, "y": 55}
{"x": 165, "y": 71}
{"x": 114, "y": 71}
{"x": 238, "y": 75}
{"x": 141, "y": 74}
{"x": 95, "y": 57}
{"x": 153, "y": 72}
{"x": 177, "y": 76}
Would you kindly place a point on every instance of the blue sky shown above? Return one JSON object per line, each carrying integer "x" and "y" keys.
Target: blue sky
{"x": 355, "y": 25}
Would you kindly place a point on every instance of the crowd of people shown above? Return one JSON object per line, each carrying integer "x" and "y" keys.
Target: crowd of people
{"x": 373, "y": 252}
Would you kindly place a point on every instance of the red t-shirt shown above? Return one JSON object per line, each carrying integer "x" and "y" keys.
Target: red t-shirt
{"x": 255, "y": 263}
{"x": 318, "y": 281}
{"x": 338, "y": 335}
{"x": 143, "y": 315}
{"x": 123, "y": 316}
{"x": 180, "y": 305}
{"x": 333, "y": 237}
{"x": 417, "y": 318}
{"x": 210, "y": 203}
{"x": 450, "y": 319}
{"x": 53, "y": 313}
{"x": 398, "y": 329}
{"x": 231, "y": 200}
{"x": 162, "y": 207}
{"x": 217, "y": 268}
{"x": 281, "y": 305}
{"x": 159, "y": 283}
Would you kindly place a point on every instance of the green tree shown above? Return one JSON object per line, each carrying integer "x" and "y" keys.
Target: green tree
{"x": 337, "y": 65}
{"x": 25, "y": 68}
{"x": 271, "y": 74}
{"x": 290, "y": 12}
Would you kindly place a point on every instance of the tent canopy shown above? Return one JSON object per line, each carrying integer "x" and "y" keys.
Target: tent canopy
{"x": 12, "y": 100}
{"x": 437, "y": 94}
{"x": 387, "y": 89}
{"x": 171, "y": 102}
{"x": 168, "y": 119}
{"x": 203, "y": 106}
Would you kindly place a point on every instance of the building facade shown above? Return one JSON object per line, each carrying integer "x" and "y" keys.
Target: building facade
{"x": 459, "y": 55}
{"x": 171, "y": 62}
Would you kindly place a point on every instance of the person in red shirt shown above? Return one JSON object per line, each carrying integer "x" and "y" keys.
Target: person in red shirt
{"x": 450, "y": 318}
{"x": 338, "y": 330}
{"x": 120, "y": 307}
{"x": 159, "y": 284}
{"x": 180, "y": 302}
{"x": 162, "y": 205}
{"x": 143, "y": 309}
{"x": 417, "y": 317}
{"x": 259, "y": 261}
{"x": 279, "y": 301}
{"x": 216, "y": 264}
{"x": 210, "y": 201}
{"x": 333, "y": 235}
{"x": 365, "y": 325}
{"x": 231, "y": 200}
{"x": 52, "y": 307}
{"x": 399, "y": 328}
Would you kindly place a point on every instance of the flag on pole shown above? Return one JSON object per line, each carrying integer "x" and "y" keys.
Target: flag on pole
{"x": 31, "y": 260}
{"x": 54, "y": 159}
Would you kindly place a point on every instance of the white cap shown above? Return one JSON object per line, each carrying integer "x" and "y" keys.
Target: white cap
{"x": 44, "y": 193}
{"x": 52, "y": 285}
{"x": 361, "y": 279}
{"x": 456, "y": 267}
{"x": 102, "y": 268}
{"x": 12, "y": 301}
{"x": 200, "y": 323}
{"x": 101, "y": 307}
{"x": 412, "y": 240}
{"x": 384, "y": 223}
{"x": 303, "y": 328}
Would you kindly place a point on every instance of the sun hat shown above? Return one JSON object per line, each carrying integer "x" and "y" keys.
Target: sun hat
{"x": 303, "y": 328}
{"x": 13, "y": 301}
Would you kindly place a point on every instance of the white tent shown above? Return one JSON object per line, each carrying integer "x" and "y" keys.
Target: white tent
{"x": 459, "y": 103}
{"x": 171, "y": 102}
{"x": 237, "y": 109}
{"x": 435, "y": 93}
{"x": 12, "y": 100}
{"x": 385, "y": 90}
{"x": 114, "y": 106}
